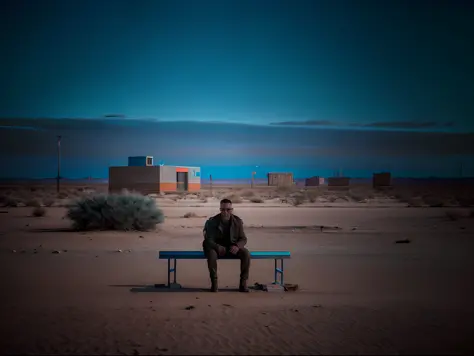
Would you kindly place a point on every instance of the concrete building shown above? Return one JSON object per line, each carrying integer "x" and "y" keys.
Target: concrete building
{"x": 315, "y": 181}
{"x": 280, "y": 179}
{"x": 383, "y": 179}
{"x": 142, "y": 176}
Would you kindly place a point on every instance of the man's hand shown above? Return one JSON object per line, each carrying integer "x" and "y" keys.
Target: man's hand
{"x": 234, "y": 249}
{"x": 221, "y": 250}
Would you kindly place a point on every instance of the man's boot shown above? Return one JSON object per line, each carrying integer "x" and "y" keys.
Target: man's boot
{"x": 243, "y": 286}
{"x": 214, "y": 286}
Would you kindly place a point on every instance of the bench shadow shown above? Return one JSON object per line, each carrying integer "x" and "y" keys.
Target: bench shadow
{"x": 59, "y": 229}
{"x": 162, "y": 288}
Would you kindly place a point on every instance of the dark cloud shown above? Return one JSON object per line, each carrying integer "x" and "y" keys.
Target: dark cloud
{"x": 402, "y": 124}
{"x": 89, "y": 138}
{"x": 305, "y": 123}
{"x": 378, "y": 124}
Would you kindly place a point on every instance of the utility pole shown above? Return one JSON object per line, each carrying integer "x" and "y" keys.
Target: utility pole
{"x": 59, "y": 164}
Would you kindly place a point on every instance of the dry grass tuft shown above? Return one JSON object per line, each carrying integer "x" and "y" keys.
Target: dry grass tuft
{"x": 235, "y": 199}
{"x": 38, "y": 211}
{"x": 298, "y": 199}
{"x": 190, "y": 215}
{"x": 33, "y": 203}
{"x": 247, "y": 193}
{"x": 257, "y": 200}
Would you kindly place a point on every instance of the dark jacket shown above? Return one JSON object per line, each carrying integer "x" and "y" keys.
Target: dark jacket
{"x": 214, "y": 235}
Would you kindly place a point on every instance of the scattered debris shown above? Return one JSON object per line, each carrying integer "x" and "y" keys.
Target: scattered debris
{"x": 56, "y": 251}
{"x": 119, "y": 250}
{"x": 290, "y": 287}
{"x": 317, "y": 306}
{"x": 405, "y": 241}
{"x": 190, "y": 307}
{"x": 14, "y": 251}
{"x": 227, "y": 305}
{"x": 141, "y": 237}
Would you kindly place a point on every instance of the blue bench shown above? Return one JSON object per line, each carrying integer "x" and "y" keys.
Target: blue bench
{"x": 199, "y": 255}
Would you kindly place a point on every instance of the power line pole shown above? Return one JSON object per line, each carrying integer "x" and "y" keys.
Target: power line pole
{"x": 59, "y": 164}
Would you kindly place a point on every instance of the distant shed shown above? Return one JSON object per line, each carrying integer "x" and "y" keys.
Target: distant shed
{"x": 383, "y": 179}
{"x": 315, "y": 181}
{"x": 280, "y": 179}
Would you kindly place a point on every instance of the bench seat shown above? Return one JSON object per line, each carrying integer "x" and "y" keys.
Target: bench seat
{"x": 199, "y": 255}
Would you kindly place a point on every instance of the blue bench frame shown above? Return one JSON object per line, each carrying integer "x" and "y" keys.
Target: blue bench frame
{"x": 199, "y": 255}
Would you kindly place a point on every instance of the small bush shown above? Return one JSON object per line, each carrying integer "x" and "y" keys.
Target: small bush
{"x": 297, "y": 200}
{"x": 12, "y": 202}
{"x": 312, "y": 195}
{"x": 190, "y": 215}
{"x": 62, "y": 195}
{"x": 416, "y": 202}
{"x": 39, "y": 211}
{"x": 115, "y": 212}
{"x": 33, "y": 203}
{"x": 247, "y": 193}
{"x": 235, "y": 199}
{"x": 48, "y": 202}
{"x": 256, "y": 200}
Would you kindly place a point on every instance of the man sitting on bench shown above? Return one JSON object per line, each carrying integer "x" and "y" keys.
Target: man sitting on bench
{"x": 224, "y": 236}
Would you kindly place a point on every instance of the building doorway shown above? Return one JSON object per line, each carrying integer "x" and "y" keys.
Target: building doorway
{"x": 182, "y": 181}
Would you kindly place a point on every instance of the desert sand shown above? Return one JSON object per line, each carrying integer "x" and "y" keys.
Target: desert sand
{"x": 359, "y": 291}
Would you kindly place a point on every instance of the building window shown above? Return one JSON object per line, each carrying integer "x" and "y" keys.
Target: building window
{"x": 149, "y": 161}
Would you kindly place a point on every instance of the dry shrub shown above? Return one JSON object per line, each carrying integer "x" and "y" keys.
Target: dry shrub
{"x": 284, "y": 189}
{"x": 256, "y": 200}
{"x": 235, "y": 199}
{"x": 312, "y": 195}
{"x": 33, "y": 203}
{"x": 298, "y": 200}
{"x": 38, "y": 211}
{"x": 115, "y": 212}
{"x": 247, "y": 193}
{"x": 190, "y": 215}
{"x": 331, "y": 198}
{"x": 359, "y": 194}
{"x": 416, "y": 202}
{"x": 12, "y": 202}
{"x": 434, "y": 201}
{"x": 48, "y": 202}
{"x": 62, "y": 195}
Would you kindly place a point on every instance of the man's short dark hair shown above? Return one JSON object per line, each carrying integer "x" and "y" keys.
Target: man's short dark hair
{"x": 226, "y": 201}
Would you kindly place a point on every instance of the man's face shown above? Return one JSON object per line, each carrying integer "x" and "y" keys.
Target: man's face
{"x": 226, "y": 211}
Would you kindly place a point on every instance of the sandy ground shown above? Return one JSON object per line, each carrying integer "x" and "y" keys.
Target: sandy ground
{"x": 359, "y": 291}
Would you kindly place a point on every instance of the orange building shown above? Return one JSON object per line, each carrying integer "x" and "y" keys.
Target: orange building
{"x": 142, "y": 176}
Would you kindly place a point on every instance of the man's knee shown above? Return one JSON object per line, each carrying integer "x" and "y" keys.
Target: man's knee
{"x": 206, "y": 245}
{"x": 210, "y": 253}
{"x": 244, "y": 254}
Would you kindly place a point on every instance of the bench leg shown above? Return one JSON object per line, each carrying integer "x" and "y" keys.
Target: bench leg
{"x": 172, "y": 270}
{"x": 279, "y": 271}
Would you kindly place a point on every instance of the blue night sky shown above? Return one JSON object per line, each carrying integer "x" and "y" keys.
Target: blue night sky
{"x": 302, "y": 86}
